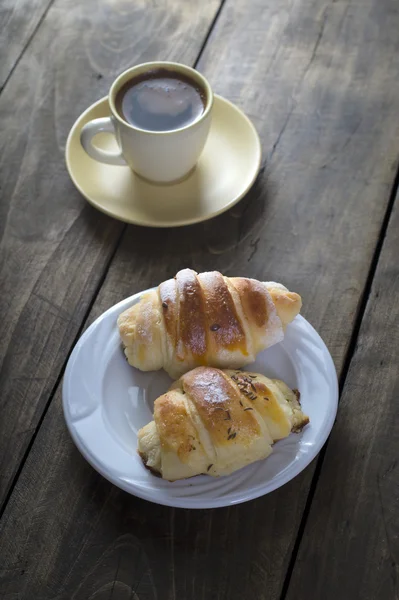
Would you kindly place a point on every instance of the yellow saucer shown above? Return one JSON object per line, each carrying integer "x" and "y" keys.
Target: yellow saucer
{"x": 226, "y": 170}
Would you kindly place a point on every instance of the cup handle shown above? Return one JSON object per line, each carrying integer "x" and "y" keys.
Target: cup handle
{"x": 89, "y": 131}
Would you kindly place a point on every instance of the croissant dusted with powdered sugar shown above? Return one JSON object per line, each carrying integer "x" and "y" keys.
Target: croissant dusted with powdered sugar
{"x": 215, "y": 422}
{"x": 205, "y": 319}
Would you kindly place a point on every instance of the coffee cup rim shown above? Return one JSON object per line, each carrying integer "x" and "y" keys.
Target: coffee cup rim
{"x": 196, "y": 75}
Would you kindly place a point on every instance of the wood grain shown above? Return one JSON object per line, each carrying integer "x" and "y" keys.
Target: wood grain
{"x": 350, "y": 548}
{"x": 79, "y": 537}
{"x": 54, "y": 247}
{"x": 321, "y": 84}
{"x": 18, "y": 21}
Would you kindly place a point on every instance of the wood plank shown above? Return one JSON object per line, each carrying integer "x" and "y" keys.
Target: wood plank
{"x": 350, "y": 548}
{"x": 75, "y": 535}
{"x": 321, "y": 84}
{"x": 54, "y": 247}
{"x": 18, "y": 22}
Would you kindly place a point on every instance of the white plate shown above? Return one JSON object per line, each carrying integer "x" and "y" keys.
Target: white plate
{"x": 106, "y": 401}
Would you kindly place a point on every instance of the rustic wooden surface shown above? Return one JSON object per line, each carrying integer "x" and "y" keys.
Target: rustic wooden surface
{"x": 321, "y": 84}
{"x": 350, "y": 548}
{"x": 19, "y": 20}
{"x": 54, "y": 247}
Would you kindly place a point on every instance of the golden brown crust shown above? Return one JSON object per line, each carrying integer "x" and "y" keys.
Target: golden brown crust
{"x": 215, "y": 422}
{"x": 298, "y": 428}
{"x": 288, "y": 304}
{"x": 293, "y": 397}
{"x": 253, "y": 299}
{"x": 205, "y": 319}
{"x": 175, "y": 429}
{"x": 192, "y": 320}
{"x": 264, "y": 398}
{"x": 222, "y": 321}
{"x": 218, "y": 403}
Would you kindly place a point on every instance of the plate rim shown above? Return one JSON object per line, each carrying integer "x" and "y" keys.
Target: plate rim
{"x": 160, "y": 224}
{"x": 185, "y": 502}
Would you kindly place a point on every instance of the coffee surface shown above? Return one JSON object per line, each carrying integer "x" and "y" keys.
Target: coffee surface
{"x": 160, "y": 100}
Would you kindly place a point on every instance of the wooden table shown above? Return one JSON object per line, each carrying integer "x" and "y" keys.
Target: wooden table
{"x": 320, "y": 80}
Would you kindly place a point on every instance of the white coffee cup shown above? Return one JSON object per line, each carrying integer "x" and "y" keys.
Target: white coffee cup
{"x": 160, "y": 156}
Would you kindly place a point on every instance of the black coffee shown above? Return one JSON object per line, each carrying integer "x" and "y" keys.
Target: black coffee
{"x": 160, "y": 100}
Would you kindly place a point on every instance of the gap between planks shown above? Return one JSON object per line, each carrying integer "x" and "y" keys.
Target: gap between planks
{"x": 345, "y": 369}
{"x": 347, "y": 360}
{"x": 28, "y": 43}
{"x": 101, "y": 280}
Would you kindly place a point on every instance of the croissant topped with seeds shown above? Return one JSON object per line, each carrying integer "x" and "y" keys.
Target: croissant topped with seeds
{"x": 214, "y": 422}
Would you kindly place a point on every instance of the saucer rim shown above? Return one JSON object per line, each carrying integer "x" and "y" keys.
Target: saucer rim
{"x": 162, "y": 224}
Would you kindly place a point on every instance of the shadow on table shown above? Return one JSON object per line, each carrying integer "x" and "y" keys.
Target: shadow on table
{"x": 193, "y": 245}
